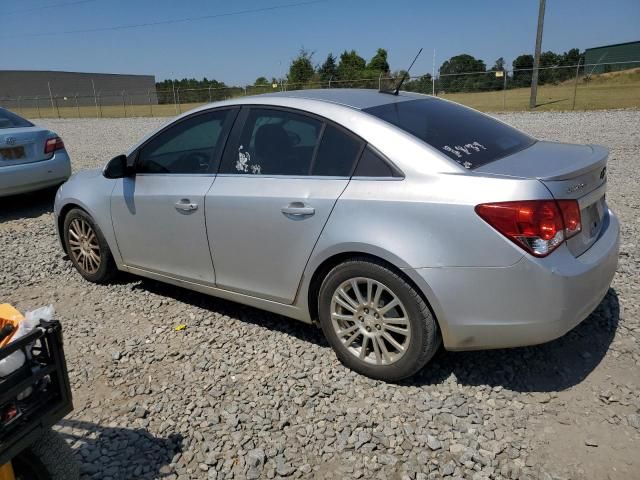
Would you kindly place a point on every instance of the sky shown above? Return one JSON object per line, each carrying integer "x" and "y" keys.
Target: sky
{"x": 236, "y": 49}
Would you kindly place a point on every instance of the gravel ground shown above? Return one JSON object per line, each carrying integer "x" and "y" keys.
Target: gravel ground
{"x": 241, "y": 393}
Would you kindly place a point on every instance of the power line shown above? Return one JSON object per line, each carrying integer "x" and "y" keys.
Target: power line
{"x": 167, "y": 22}
{"x": 44, "y": 7}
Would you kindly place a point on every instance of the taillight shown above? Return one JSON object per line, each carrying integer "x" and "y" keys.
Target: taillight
{"x": 538, "y": 226}
{"x": 52, "y": 144}
{"x": 571, "y": 217}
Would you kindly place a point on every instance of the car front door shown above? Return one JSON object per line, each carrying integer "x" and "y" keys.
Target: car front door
{"x": 280, "y": 177}
{"x": 159, "y": 214}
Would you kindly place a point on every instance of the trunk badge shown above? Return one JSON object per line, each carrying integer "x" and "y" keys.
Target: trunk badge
{"x": 575, "y": 188}
{"x": 10, "y": 141}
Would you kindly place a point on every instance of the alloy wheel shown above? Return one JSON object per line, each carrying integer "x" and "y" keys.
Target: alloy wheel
{"x": 371, "y": 321}
{"x": 84, "y": 245}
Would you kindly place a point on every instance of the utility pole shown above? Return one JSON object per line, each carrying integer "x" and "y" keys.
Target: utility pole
{"x": 433, "y": 74}
{"x": 536, "y": 58}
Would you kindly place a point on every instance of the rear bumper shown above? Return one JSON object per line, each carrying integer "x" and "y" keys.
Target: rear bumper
{"x": 533, "y": 301}
{"x": 28, "y": 177}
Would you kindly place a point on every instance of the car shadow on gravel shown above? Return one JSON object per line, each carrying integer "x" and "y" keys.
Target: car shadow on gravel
{"x": 27, "y": 205}
{"x": 221, "y": 306}
{"x": 550, "y": 367}
{"x": 118, "y": 452}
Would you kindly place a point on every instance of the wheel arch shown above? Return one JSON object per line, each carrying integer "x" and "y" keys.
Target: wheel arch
{"x": 325, "y": 266}
{"x": 98, "y": 217}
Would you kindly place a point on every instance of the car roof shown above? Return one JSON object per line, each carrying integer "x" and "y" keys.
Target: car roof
{"x": 358, "y": 98}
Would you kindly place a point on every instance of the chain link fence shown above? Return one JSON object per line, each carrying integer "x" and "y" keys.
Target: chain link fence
{"x": 565, "y": 87}
{"x": 560, "y": 88}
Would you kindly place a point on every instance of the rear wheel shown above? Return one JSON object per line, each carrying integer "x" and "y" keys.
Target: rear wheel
{"x": 376, "y": 322}
{"x": 87, "y": 248}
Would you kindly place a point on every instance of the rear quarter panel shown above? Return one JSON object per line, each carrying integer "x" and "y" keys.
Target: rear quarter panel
{"x": 425, "y": 221}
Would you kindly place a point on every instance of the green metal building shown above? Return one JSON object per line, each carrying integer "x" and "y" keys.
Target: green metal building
{"x": 620, "y": 56}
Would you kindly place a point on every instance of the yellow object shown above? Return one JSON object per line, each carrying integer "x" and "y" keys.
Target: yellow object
{"x": 11, "y": 316}
{"x": 182, "y": 326}
{"x": 6, "y": 471}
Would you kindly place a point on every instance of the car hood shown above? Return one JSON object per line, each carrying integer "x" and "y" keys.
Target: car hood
{"x": 86, "y": 174}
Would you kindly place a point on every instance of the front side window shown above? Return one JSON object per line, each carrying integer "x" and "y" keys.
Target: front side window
{"x": 191, "y": 146}
{"x": 464, "y": 135}
{"x": 274, "y": 142}
{"x": 11, "y": 120}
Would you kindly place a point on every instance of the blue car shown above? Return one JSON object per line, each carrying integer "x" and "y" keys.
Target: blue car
{"x": 31, "y": 157}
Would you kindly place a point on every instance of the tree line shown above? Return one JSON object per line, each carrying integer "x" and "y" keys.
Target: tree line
{"x": 349, "y": 70}
{"x": 554, "y": 68}
{"x": 459, "y": 73}
{"x": 191, "y": 90}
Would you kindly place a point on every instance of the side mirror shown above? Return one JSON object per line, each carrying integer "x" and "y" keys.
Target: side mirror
{"x": 118, "y": 167}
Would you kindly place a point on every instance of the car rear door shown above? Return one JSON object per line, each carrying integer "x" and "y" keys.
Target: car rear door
{"x": 280, "y": 177}
{"x": 159, "y": 214}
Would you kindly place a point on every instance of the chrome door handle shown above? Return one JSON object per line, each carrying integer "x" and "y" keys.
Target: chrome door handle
{"x": 185, "y": 205}
{"x": 298, "y": 209}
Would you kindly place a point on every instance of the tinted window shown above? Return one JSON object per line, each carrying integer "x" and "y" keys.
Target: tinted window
{"x": 337, "y": 153}
{"x": 274, "y": 142}
{"x": 464, "y": 135}
{"x": 372, "y": 165}
{"x": 190, "y": 146}
{"x": 11, "y": 120}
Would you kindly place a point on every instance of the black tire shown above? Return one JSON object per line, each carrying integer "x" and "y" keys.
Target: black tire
{"x": 425, "y": 337}
{"x": 50, "y": 458}
{"x": 107, "y": 266}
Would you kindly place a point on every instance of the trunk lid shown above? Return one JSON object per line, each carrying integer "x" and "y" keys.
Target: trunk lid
{"x": 569, "y": 172}
{"x": 22, "y": 145}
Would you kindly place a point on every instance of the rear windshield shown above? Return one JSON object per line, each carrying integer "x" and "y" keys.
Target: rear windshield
{"x": 11, "y": 120}
{"x": 464, "y": 135}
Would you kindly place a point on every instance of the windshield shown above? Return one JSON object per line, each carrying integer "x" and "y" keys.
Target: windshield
{"x": 464, "y": 135}
{"x": 11, "y": 120}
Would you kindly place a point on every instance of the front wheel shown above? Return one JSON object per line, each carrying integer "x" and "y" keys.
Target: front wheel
{"x": 87, "y": 248}
{"x": 376, "y": 322}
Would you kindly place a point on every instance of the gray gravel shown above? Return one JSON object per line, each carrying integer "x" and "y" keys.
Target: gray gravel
{"x": 241, "y": 393}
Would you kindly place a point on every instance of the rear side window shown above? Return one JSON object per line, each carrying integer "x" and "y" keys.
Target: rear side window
{"x": 337, "y": 153}
{"x": 190, "y": 146}
{"x": 372, "y": 165}
{"x": 11, "y": 120}
{"x": 274, "y": 142}
{"x": 464, "y": 135}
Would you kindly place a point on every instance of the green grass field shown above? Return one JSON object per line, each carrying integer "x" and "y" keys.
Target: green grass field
{"x": 609, "y": 90}
{"x": 589, "y": 96}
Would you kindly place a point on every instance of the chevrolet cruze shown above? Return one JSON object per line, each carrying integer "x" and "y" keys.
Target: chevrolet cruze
{"x": 396, "y": 222}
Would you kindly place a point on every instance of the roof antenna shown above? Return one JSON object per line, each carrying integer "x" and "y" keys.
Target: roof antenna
{"x": 405, "y": 75}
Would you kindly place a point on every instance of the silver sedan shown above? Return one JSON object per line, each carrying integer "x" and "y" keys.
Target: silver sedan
{"x": 31, "y": 158}
{"x": 396, "y": 222}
